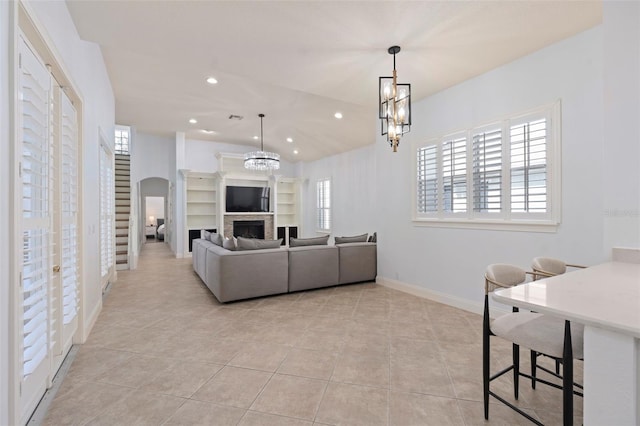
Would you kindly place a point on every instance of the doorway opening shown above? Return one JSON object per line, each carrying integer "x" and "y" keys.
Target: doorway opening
{"x": 154, "y": 215}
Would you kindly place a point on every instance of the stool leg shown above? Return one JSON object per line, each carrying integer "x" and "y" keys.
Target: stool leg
{"x": 486, "y": 334}
{"x": 534, "y": 366}
{"x": 567, "y": 377}
{"x": 516, "y": 370}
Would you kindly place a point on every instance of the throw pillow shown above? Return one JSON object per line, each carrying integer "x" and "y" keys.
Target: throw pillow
{"x": 317, "y": 241}
{"x": 229, "y": 244}
{"x": 206, "y": 235}
{"x": 355, "y": 239}
{"x": 216, "y": 239}
{"x": 256, "y": 244}
{"x": 375, "y": 237}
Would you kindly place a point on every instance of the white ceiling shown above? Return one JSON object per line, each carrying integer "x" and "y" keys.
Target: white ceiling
{"x": 299, "y": 62}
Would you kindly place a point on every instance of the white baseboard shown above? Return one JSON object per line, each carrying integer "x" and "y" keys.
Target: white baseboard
{"x": 436, "y": 296}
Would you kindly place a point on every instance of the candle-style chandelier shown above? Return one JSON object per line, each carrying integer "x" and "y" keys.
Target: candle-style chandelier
{"x": 395, "y": 105}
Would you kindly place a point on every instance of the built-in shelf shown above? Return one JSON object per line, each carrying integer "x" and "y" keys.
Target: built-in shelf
{"x": 201, "y": 203}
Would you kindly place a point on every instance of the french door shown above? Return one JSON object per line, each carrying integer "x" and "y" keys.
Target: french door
{"x": 48, "y": 257}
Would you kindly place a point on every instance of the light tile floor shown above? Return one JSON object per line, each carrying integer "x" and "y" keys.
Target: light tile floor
{"x": 165, "y": 352}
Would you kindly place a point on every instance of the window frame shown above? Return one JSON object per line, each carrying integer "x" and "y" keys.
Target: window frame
{"x": 505, "y": 219}
{"x": 322, "y": 208}
{"x": 117, "y": 147}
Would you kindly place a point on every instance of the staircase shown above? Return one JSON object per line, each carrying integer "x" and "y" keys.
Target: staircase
{"x": 123, "y": 210}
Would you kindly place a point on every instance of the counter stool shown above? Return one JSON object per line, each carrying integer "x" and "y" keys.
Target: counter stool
{"x": 553, "y": 337}
{"x": 548, "y": 267}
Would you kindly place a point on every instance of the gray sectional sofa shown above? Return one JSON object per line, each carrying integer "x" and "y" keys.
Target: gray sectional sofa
{"x": 236, "y": 275}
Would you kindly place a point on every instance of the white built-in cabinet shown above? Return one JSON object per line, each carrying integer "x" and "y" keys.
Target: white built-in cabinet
{"x": 201, "y": 204}
{"x": 204, "y": 195}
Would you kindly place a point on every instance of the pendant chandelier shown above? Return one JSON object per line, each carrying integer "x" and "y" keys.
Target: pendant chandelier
{"x": 261, "y": 160}
{"x": 395, "y": 105}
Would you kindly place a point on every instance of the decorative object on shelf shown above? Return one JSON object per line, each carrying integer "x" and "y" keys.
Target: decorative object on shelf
{"x": 395, "y": 105}
{"x": 261, "y": 160}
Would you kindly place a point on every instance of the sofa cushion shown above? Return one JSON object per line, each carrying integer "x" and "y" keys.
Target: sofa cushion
{"x": 317, "y": 241}
{"x": 206, "y": 235}
{"x": 257, "y": 244}
{"x": 216, "y": 239}
{"x": 355, "y": 239}
{"x": 229, "y": 244}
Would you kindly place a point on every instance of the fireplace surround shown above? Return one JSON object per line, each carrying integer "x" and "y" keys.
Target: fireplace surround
{"x": 248, "y": 228}
{"x": 229, "y": 219}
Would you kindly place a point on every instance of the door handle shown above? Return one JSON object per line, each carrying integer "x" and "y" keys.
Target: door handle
{"x": 56, "y": 268}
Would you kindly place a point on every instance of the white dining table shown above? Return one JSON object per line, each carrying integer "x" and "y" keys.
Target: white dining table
{"x": 606, "y": 299}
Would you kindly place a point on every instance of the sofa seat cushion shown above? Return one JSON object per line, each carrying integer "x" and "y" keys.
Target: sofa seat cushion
{"x": 312, "y": 267}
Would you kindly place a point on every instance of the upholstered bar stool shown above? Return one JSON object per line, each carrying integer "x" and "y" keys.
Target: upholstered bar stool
{"x": 548, "y": 267}
{"x": 553, "y": 337}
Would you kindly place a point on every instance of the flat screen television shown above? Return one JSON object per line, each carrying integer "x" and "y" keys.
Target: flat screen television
{"x": 247, "y": 199}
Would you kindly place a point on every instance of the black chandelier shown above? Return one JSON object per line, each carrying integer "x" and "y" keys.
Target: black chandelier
{"x": 395, "y": 105}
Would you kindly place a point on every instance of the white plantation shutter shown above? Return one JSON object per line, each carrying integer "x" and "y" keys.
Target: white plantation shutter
{"x": 69, "y": 210}
{"x": 454, "y": 175}
{"x": 35, "y": 161}
{"x": 528, "y": 142}
{"x": 427, "y": 185}
{"x": 487, "y": 170}
{"x": 107, "y": 200}
{"x": 501, "y": 175}
{"x": 323, "y": 203}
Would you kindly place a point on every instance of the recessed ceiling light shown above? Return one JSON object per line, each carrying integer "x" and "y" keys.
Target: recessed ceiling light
{"x": 295, "y": 151}
{"x": 212, "y": 80}
{"x": 289, "y": 140}
{"x": 338, "y": 115}
{"x": 256, "y": 137}
{"x": 193, "y": 121}
{"x": 208, "y": 131}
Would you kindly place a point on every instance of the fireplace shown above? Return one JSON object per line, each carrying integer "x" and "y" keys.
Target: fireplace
{"x": 248, "y": 228}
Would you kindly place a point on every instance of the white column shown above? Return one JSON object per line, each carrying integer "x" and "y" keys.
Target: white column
{"x": 179, "y": 216}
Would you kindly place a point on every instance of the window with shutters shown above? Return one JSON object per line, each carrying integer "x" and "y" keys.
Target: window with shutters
{"x": 502, "y": 175}
{"x": 35, "y": 164}
{"x": 122, "y": 140}
{"x": 323, "y": 205}
{"x": 454, "y": 175}
{"x": 486, "y": 170}
{"x": 107, "y": 201}
{"x": 69, "y": 209}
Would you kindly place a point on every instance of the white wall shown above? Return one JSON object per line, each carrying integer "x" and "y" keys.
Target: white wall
{"x": 452, "y": 261}
{"x": 84, "y": 63}
{"x": 200, "y": 156}
{"x": 151, "y": 156}
{"x": 5, "y": 200}
{"x": 353, "y": 192}
{"x": 621, "y": 149}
